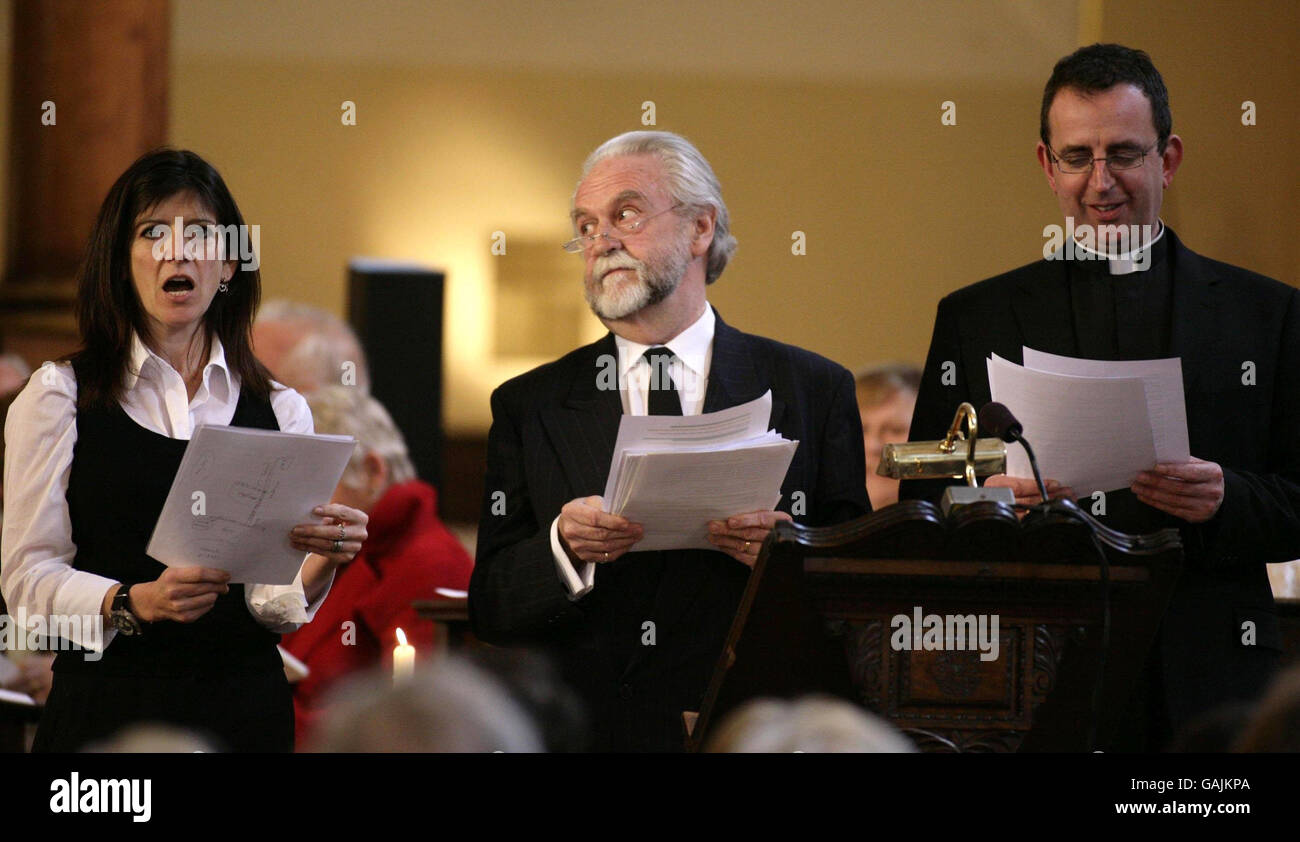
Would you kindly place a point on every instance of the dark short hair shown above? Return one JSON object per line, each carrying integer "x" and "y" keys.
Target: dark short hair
{"x": 1100, "y": 67}
{"x": 108, "y": 307}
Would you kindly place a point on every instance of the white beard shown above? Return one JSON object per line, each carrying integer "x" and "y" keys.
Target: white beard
{"x": 656, "y": 279}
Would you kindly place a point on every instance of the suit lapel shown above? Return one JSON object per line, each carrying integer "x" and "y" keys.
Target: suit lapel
{"x": 1198, "y": 338}
{"x": 733, "y": 377}
{"x": 1193, "y": 335}
{"x": 1044, "y": 313}
{"x": 583, "y": 428}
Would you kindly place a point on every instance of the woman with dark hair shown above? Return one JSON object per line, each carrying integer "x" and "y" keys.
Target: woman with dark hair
{"x": 164, "y": 308}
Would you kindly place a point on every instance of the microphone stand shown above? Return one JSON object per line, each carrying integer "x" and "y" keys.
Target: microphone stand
{"x": 1071, "y": 510}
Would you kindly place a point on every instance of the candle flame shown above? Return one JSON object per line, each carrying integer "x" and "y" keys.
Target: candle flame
{"x": 401, "y": 637}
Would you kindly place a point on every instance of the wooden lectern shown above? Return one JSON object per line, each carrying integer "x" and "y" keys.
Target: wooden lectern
{"x": 818, "y": 616}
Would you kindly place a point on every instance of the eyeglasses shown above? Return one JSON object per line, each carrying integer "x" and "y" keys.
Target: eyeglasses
{"x": 1081, "y": 162}
{"x": 627, "y": 221}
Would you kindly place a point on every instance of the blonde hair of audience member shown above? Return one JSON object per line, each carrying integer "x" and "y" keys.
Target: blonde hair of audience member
{"x": 886, "y": 398}
{"x": 152, "y": 738}
{"x": 379, "y": 460}
{"x": 447, "y": 706}
{"x": 307, "y": 348}
{"x": 815, "y": 724}
{"x": 1275, "y": 726}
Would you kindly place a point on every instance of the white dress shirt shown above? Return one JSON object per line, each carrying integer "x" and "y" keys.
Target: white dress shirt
{"x": 690, "y": 373}
{"x": 36, "y": 549}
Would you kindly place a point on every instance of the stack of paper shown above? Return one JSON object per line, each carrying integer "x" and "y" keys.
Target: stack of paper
{"x": 237, "y": 494}
{"x": 1093, "y": 424}
{"x": 673, "y": 474}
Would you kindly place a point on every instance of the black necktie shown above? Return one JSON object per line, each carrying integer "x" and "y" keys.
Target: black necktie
{"x": 664, "y": 398}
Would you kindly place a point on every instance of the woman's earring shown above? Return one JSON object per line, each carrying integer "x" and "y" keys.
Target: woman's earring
{"x": 223, "y": 287}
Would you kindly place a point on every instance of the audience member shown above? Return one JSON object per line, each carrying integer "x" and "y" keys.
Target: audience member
{"x": 153, "y": 738}
{"x": 886, "y": 397}
{"x": 811, "y": 724}
{"x": 534, "y": 682}
{"x": 408, "y": 555}
{"x": 447, "y": 706}
{"x": 307, "y": 348}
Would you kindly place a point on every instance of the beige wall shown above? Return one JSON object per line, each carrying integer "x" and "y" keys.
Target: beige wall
{"x": 895, "y": 207}
{"x": 817, "y": 116}
{"x": 1237, "y": 196}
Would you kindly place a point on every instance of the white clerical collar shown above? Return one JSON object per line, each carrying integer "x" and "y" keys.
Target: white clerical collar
{"x": 1137, "y": 260}
{"x": 691, "y": 346}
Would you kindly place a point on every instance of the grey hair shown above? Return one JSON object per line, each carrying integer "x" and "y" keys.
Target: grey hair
{"x": 691, "y": 182}
{"x": 348, "y": 411}
{"x": 449, "y": 705}
{"x": 327, "y": 343}
{"x": 815, "y": 724}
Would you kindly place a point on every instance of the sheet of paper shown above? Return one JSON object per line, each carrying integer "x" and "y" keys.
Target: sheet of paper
{"x": 237, "y": 494}
{"x": 294, "y": 669}
{"x": 13, "y": 697}
{"x": 1162, "y": 380}
{"x": 1092, "y": 434}
{"x": 673, "y": 474}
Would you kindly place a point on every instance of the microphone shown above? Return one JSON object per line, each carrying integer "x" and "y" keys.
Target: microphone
{"x": 998, "y": 420}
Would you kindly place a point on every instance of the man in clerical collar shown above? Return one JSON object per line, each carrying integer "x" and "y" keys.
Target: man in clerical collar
{"x": 1117, "y": 284}
{"x": 638, "y": 633}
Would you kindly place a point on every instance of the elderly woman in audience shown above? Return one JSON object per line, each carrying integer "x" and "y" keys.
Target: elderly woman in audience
{"x": 812, "y": 724}
{"x": 409, "y": 554}
{"x": 447, "y": 706}
{"x": 886, "y": 398}
{"x": 307, "y": 348}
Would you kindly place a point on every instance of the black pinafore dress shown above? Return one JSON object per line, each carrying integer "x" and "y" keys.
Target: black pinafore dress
{"x": 219, "y": 676}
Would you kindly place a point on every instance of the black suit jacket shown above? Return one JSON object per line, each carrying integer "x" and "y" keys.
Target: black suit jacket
{"x": 552, "y": 440}
{"x": 1223, "y": 317}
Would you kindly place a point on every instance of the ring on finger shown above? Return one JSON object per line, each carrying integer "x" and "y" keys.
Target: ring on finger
{"x": 746, "y": 549}
{"x": 343, "y": 533}
{"x": 606, "y": 556}
{"x": 338, "y": 546}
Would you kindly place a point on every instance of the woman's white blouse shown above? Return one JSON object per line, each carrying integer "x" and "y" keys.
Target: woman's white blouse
{"x": 36, "y": 549}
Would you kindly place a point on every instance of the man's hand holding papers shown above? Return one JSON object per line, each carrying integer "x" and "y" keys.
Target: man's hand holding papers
{"x": 710, "y": 481}
{"x": 1101, "y": 421}
{"x": 1190, "y": 490}
{"x": 741, "y": 536}
{"x": 589, "y": 533}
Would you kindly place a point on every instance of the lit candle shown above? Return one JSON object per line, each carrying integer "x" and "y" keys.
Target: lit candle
{"x": 403, "y": 658}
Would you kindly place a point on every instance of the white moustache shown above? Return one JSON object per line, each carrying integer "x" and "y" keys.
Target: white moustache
{"x": 618, "y": 260}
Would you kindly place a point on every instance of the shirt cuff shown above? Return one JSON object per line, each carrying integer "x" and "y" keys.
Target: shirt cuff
{"x": 284, "y": 608}
{"x": 81, "y": 603}
{"x": 579, "y": 582}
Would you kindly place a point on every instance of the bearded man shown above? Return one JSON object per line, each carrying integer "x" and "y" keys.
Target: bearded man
{"x": 638, "y": 633}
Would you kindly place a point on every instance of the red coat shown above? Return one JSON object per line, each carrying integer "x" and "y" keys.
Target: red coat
{"x": 408, "y": 554}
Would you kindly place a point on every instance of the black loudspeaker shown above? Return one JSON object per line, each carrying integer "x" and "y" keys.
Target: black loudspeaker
{"x": 396, "y": 310}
